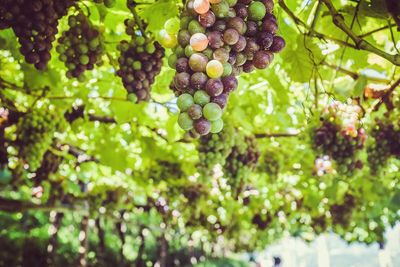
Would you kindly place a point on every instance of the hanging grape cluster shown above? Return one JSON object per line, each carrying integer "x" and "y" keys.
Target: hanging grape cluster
{"x": 217, "y": 41}
{"x": 386, "y": 144}
{"x": 35, "y": 24}
{"x": 81, "y": 46}
{"x": 214, "y": 149}
{"x": 342, "y": 213}
{"x": 340, "y": 136}
{"x": 107, "y": 3}
{"x": 236, "y": 154}
{"x": 35, "y": 132}
{"x": 140, "y": 62}
{"x": 242, "y": 161}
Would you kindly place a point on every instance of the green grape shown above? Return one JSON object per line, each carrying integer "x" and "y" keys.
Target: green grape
{"x": 212, "y": 111}
{"x": 172, "y": 25}
{"x": 216, "y": 126}
{"x": 257, "y": 11}
{"x": 185, "y": 101}
{"x": 201, "y": 98}
{"x": 185, "y": 122}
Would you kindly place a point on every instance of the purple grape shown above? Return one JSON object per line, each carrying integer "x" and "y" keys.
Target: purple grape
{"x": 265, "y": 40}
{"x": 221, "y": 100}
{"x": 278, "y": 44}
{"x": 261, "y": 59}
{"x": 252, "y": 28}
{"x": 207, "y": 20}
{"x": 269, "y": 25}
{"x": 230, "y": 83}
{"x": 215, "y": 40}
{"x": 182, "y": 65}
{"x": 198, "y": 80}
{"x": 214, "y": 87}
{"x": 240, "y": 45}
{"x": 202, "y": 126}
{"x": 231, "y": 36}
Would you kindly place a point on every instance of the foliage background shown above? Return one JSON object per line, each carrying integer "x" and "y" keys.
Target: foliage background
{"x": 109, "y": 156}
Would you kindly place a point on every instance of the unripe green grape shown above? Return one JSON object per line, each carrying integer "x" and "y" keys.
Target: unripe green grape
{"x": 217, "y": 126}
{"x": 257, "y": 11}
{"x": 185, "y": 122}
{"x": 132, "y": 97}
{"x": 214, "y": 69}
{"x": 195, "y": 27}
{"x": 212, "y": 111}
{"x": 185, "y": 101}
{"x": 172, "y": 25}
{"x": 201, "y": 97}
{"x": 172, "y": 61}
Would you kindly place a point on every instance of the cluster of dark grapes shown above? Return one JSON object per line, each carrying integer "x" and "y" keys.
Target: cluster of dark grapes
{"x": 107, "y": 3}
{"x": 140, "y": 62}
{"x": 330, "y": 140}
{"x": 81, "y": 46}
{"x": 241, "y": 161}
{"x": 217, "y": 41}
{"x": 35, "y": 132}
{"x": 194, "y": 191}
{"x": 35, "y": 24}
{"x": 262, "y": 221}
{"x": 386, "y": 144}
{"x": 342, "y": 213}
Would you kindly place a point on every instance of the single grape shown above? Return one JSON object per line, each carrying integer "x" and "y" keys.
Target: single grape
{"x": 212, "y": 111}
{"x": 219, "y": 26}
{"x": 201, "y": 97}
{"x": 195, "y": 112}
{"x": 241, "y": 10}
{"x": 199, "y": 41}
{"x": 214, "y": 87}
{"x": 215, "y": 40}
{"x": 167, "y": 40}
{"x": 221, "y": 54}
{"x": 217, "y": 126}
{"x": 227, "y": 69}
{"x": 202, "y": 126}
{"x": 252, "y": 28}
{"x": 261, "y": 60}
{"x": 265, "y": 40}
{"x": 257, "y": 11}
{"x": 221, "y": 9}
{"x": 277, "y": 45}
{"x": 195, "y": 27}
{"x": 214, "y": 69}
{"x": 270, "y": 26}
{"x": 221, "y": 100}
{"x": 230, "y": 83}
{"x": 183, "y": 38}
{"x": 238, "y": 24}
{"x": 198, "y": 62}
{"x": 201, "y": 6}
{"x": 185, "y": 101}
{"x": 231, "y": 36}
{"x": 172, "y": 26}
{"x": 207, "y": 20}
{"x": 185, "y": 122}
{"x": 198, "y": 80}
{"x": 240, "y": 45}
{"x": 182, "y": 80}
{"x": 182, "y": 64}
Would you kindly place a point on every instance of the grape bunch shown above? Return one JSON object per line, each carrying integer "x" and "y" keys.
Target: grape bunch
{"x": 140, "y": 62}
{"x": 342, "y": 213}
{"x": 80, "y": 47}
{"x": 340, "y": 136}
{"x": 262, "y": 221}
{"x": 107, "y": 3}
{"x": 35, "y": 132}
{"x": 242, "y": 161}
{"x": 217, "y": 40}
{"x": 235, "y": 153}
{"x": 34, "y": 22}
{"x": 214, "y": 149}
{"x": 386, "y": 144}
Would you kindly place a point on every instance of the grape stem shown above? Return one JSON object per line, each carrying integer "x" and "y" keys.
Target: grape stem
{"x": 137, "y": 19}
{"x": 385, "y": 99}
{"x": 360, "y": 43}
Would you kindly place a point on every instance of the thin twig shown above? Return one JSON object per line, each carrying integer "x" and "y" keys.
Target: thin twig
{"x": 360, "y": 43}
{"x": 386, "y": 97}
